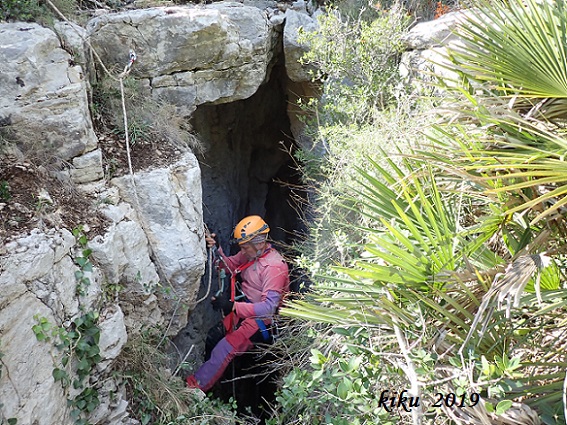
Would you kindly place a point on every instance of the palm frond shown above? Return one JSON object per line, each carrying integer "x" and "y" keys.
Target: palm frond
{"x": 516, "y": 46}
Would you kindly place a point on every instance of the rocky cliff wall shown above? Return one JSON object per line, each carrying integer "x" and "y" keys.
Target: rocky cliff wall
{"x": 86, "y": 247}
{"x": 82, "y": 238}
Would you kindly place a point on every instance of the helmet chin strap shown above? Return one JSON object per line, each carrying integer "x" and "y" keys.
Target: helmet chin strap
{"x": 258, "y": 251}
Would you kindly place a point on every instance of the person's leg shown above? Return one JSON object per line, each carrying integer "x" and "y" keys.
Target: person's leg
{"x": 233, "y": 344}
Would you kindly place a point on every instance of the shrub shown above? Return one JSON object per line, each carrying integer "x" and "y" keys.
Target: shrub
{"x": 20, "y": 10}
{"x": 158, "y": 398}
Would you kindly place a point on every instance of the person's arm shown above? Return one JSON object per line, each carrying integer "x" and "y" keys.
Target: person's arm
{"x": 274, "y": 284}
{"x": 228, "y": 263}
{"x": 231, "y": 263}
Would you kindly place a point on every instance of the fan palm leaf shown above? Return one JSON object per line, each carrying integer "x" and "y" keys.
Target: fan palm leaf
{"x": 518, "y": 159}
{"x": 517, "y": 47}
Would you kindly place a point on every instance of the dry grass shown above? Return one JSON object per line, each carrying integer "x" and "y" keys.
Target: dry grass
{"x": 154, "y": 393}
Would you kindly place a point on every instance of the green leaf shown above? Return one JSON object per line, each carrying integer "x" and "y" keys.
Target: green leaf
{"x": 342, "y": 391}
{"x": 317, "y": 358}
{"x": 88, "y": 267}
{"x": 503, "y": 406}
{"x": 91, "y": 406}
{"x": 94, "y": 351}
{"x": 59, "y": 374}
{"x": 84, "y": 365}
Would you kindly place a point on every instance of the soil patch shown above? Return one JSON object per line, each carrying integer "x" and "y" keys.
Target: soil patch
{"x": 31, "y": 198}
{"x": 144, "y": 155}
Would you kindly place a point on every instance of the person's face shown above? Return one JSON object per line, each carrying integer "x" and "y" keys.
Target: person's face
{"x": 251, "y": 250}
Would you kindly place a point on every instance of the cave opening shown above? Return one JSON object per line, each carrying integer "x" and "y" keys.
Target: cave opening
{"x": 248, "y": 168}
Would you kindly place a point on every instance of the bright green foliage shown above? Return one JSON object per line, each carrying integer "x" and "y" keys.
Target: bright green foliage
{"x": 82, "y": 260}
{"x": 451, "y": 253}
{"x": 513, "y": 143}
{"x": 518, "y": 48}
{"x": 81, "y": 354}
{"x": 357, "y": 61}
{"x": 19, "y": 10}
{"x": 340, "y": 386}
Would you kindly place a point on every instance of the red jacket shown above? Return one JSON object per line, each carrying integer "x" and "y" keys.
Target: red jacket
{"x": 264, "y": 283}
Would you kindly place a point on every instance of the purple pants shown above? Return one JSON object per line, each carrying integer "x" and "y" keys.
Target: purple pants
{"x": 233, "y": 344}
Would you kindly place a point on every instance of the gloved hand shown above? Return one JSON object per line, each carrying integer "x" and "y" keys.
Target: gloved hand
{"x": 223, "y": 303}
{"x": 211, "y": 240}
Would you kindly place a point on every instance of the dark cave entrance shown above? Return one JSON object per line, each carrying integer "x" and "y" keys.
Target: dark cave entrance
{"x": 248, "y": 168}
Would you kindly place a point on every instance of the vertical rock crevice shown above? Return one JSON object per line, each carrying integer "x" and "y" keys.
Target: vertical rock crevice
{"x": 248, "y": 168}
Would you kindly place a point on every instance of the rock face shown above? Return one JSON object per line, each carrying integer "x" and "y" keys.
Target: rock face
{"x": 37, "y": 281}
{"x": 190, "y": 55}
{"x": 169, "y": 206}
{"x": 293, "y": 49}
{"x": 233, "y": 71}
{"x": 42, "y": 94}
{"x": 146, "y": 264}
{"x": 427, "y": 49}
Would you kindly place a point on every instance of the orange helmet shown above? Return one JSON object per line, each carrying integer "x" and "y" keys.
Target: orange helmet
{"x": 250, "y": 227}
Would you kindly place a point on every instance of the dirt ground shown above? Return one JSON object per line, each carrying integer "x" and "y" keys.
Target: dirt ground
{"x": 37, "y": 196}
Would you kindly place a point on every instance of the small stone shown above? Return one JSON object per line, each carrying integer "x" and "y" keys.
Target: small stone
{"x": 276, "y": 20}
{"x": 44, "y": 195}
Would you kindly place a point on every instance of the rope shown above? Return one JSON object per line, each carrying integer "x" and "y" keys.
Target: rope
{"x": 120, "y": 78}
{"x": 85, "y": 40}
{"x": 210, "y": 273}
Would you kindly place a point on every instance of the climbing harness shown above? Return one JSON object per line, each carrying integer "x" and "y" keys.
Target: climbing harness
{"x": 236, "y": 293}
{"x": 232, "y": 324}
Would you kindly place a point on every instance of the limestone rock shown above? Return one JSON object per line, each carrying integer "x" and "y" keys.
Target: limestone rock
{"x": 168, "y": 202}
{"x": 124, "y": 257}
{"x": 190, "y": 54}
{"x": 113, "y": 334}
{"x": 42, "y": 94}
{"x": 293, "y": 50}
{"x": 438, "y": 32}
{"x": 427, "y": 45}
{"x": 422, "y": 67}
{"x": 36, "y": 282}
{"x": 88, "y": 167}
{"x": 26, "y": 382}
{"x": 72, "y": 38}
